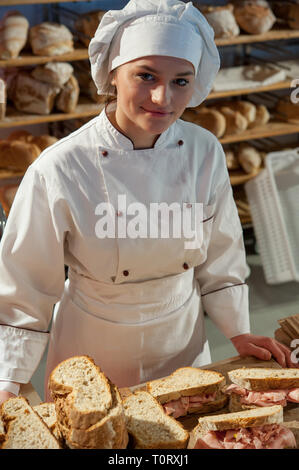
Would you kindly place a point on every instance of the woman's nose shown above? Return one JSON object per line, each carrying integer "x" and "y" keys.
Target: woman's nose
{"x": 161, "y": 95}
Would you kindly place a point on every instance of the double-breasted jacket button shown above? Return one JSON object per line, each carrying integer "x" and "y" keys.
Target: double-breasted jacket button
{"x": 125, "y": 273}
{"x": 185, "y": 266}
{"x": 180, "y": 142}
{"x": 189, "y": 205}
{"x": 119, "y": 213}
{"x": 104, "y": 153}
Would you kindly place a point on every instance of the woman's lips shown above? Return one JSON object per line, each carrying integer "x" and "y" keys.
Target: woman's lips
{"x": 156, "y": 113}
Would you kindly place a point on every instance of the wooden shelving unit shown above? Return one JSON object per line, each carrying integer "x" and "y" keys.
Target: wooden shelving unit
{"x": 273, "y": 128}
{"x": 30, "y": 59}
{"x": 35, "y": 2}
{"x": 275, "y": 34}
{"x": 85, "y": 108}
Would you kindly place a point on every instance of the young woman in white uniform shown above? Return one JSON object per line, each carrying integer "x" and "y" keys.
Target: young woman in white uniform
{"x": 135, "y": 305}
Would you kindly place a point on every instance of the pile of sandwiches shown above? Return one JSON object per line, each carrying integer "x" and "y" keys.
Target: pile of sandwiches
{"x": 89, "y": 412}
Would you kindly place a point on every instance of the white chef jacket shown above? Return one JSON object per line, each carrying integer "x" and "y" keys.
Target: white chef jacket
{"x": 135, "y": 305}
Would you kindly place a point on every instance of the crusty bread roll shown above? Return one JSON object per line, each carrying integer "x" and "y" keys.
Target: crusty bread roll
{"x": 3, "y": 98}
{"x": 208, "y": 118}
{"x": 262, "y": 116}
{"x": 87, "y": 24}
{"x": 50, "y": 38}
{"x": 253, "y": 17}
{"x": 42, "y": 141}
{"x": 56, "y": 73}
{"x": 235, "y": 121}
{"x": 16, "y": 155}
{"x": 67, "y": 99}
{"x": 249, "y": 158}
{"x": 33, "y": 96}
{"x": 222, "y": 20}
{"x": 14, "y": 29}
{"x": 7, "y": 195}
{"x": 232, "y": 161}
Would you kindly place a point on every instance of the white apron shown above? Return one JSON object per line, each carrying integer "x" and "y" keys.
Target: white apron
{"x": 132, "y": 343}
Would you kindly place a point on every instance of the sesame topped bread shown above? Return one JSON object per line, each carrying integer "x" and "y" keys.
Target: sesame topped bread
{"x": 85, "y": 388}
{"x": 24, "y": 429}
{"x": 149, "y": 426}
{"x": 265, "y": 378}
{"x": 186, "y": 381}
{"x": 88, "y": 406}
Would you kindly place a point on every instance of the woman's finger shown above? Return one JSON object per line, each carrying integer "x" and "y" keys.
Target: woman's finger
{"x": 252, "y": 350}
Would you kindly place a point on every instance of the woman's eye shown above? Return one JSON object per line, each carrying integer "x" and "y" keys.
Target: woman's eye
{"x": 181, "y": 82}
{"x": 145, "y": 76}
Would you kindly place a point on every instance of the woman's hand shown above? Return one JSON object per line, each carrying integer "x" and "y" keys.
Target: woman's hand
{"x": 5, "y": 396}
{"x": 263, "y": 348}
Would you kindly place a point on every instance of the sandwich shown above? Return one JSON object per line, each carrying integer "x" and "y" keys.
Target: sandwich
{"x": 88, "y": 406}
{"x": 23, "y": 428}
{"x": 260, "y": 428}
{"x": 252, "y": 388}
{"x": 189, "y": 390}
{"x": 149, "y": 427}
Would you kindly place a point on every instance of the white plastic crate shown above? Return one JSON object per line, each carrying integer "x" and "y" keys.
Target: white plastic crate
{"x": 273, "y": 196}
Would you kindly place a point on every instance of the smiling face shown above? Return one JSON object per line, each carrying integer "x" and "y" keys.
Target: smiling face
{"x": 152, "y": 93}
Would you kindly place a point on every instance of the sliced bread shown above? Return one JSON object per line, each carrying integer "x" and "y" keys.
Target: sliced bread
{"x": 149, "y": 426}
{"x": 88, "y": 406}
{"x": 48, "y": 414}
{"x": 265, "y": 378}
{"x": 186, "y": 381}
{"x": 24, "y": 429}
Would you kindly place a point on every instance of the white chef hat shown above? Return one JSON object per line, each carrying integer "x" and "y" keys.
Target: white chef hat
{"x": 155, "y": 27}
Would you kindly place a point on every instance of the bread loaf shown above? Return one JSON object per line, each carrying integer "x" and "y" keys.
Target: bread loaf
{"x": 33, "y": 96}
{"x": 232, "y": 161}
{"x": 87, "y": 24}
{"x": 222, "y": 20}
{"x": 7, "y": 195}
{"x": 67, "y": 99}
{"x": 2, "y": 99}
{"x": 246, "y": 108}
{"x": 235, "y": 122}
{"x": 55, "y": 73}
{"x": 208, "y": 118}
{"x": 249, "y": 158}
{"x": 16, "y": 156}
{"x": 14, "y": 29}
{"x": 262, "y": 116}
{"x": 41, "y": 141}
{"x": 48, "y": 414}
{"x": 50, "y": 39}
{"x": 254, "y": 17}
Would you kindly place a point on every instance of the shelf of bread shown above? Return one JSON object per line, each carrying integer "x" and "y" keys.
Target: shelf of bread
{"x": 25, "y": 59}
{"x": 84, "y": 108}
{"x": 246, "y": 91}
{"x": 272, "y": 35}
{"x": 271, "y": 129}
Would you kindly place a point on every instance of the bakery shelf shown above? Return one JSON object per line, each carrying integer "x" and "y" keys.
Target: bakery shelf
{"x": 246, "y": 91}
{"x": 16, "y": 118}
{"x": 273, "y": 128}
{"x": 272, "y": 35}
{"x": 30, "y": 59}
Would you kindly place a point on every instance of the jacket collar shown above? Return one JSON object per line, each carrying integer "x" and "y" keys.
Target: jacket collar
{"x": 114, "y": 139}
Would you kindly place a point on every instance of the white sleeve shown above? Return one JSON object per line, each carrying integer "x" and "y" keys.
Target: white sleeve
{"x": 31, "y": 276}
{"x": 9, "y": 387}
{"x": 222, "y": 276}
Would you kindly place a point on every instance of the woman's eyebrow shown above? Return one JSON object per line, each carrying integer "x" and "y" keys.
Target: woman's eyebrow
{"x": 182, "y": 74}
